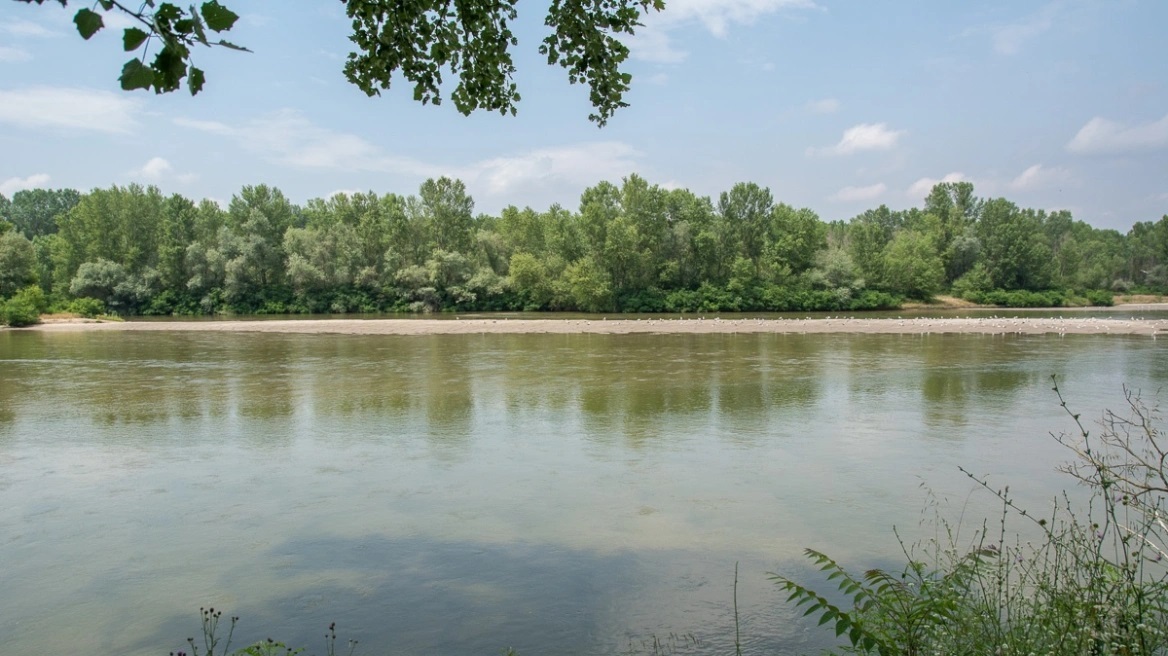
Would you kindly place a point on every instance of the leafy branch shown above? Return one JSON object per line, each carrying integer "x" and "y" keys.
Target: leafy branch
{"x": 178, "y": 29}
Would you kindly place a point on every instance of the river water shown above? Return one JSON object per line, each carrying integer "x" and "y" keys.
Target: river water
{"x": 569, "y": 494}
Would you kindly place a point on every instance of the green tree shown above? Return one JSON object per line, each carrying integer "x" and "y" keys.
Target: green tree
{"x": 34, "y": 212}
{"x": 912, "y": 266}
{"x": 17, "y": 263}
{"x": 589, "y": 286}
{"x": 1147, "y": 254}
{"x": 114, "y": 285}
{"x": 796, "y": 237}
{"x": 447, "y": 215}
{"x": 835, "y": 269}
{"x": 1014, "y": 248}
{"x": 686, "y": 215}
{"x": 958, "y": 210}
{"x": 530, "y": 279}
{"x": 176, "y": 232}
{"x": 253, "y": 246}
{"x": 471, "y": 40}
{"x": 868, "y": 235}
{"x": 599, "y": 207}
{"x": 5, "y": 207}
{"x": 523, "y": 229}
{"x": 119, "y": 224}
{"x": 746, "y": 210}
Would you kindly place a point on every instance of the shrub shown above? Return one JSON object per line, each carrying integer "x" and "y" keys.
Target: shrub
{"x": 1017, "y": 298}
{"x": 975, "y": 280}
{"x": 23, "y": 309}
{"x": 1099, "y": 297}
{"x": 86, "y": 307}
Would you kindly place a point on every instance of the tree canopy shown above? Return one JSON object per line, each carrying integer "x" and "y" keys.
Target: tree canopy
{"x": 629, "y": 246}
{"x": 418, "y": 40}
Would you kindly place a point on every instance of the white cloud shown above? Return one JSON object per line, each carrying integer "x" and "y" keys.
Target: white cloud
{"x": 13, "y": 185}
{"x": 1101, "y": 135}
{"x": 69, "y": 108}
{"x": 158, "y": 168}
{"x": 653, "y": 45}
{"x": 578, "y": 164}
{"x": 26, "y": 28}
{"x": 823, "y": 106}
{"x": 1009, "y": 39}
{"x": 214, "y": 127}
{"x": 289, "y": 138}
{"x": 1038, "y": 176}
{"x": 716, "y": 15}
{"x": 865, "y": 136}
{"x": 652, "y": 41}
{"x": 852, "y": 194}
{"x": 922, "y": 187}
{"x": 155, "y": 168}
{"x": 10, "y": 54}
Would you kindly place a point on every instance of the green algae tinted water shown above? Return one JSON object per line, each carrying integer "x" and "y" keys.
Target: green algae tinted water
{"x": 569, "y": 494}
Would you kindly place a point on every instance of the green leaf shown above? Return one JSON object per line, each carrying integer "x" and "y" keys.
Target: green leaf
{"x": 136, "y": 75}
{"x": 134, "y": 38}
{"x": 88, "y": 22}
{"x": 106, "y": 4}
{"x": 195, "y": 80}
{"x": 218, "y": 17}
{"x": 198, "y": 25}
{"x": 169, "y": 67}
{"x": 232, "y": 46}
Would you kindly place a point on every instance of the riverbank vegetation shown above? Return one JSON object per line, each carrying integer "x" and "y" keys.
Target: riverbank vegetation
{"x": 633, "y": 247}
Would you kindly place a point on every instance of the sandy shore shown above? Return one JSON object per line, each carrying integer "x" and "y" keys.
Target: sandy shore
{"x": 858, "y": 325}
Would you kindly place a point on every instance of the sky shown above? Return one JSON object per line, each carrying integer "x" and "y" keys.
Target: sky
{"x": 835, "y": 105}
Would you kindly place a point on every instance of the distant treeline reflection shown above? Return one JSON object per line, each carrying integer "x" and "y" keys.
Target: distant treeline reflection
{"x": 642, "y": 389}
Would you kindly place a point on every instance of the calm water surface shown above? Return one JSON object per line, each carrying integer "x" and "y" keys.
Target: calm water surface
{"x": 461, "y": 494}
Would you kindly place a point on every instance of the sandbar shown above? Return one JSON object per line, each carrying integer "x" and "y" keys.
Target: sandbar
{"x": 1119, "y": 325}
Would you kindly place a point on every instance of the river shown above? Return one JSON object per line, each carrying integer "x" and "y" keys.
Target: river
{"x": 458, "y": 494}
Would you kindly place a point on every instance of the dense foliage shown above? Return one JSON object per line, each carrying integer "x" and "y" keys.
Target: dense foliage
{"x": 471, "y": 40}
{"x": 635, "y": 247}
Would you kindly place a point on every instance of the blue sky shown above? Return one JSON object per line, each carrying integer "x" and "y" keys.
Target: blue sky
{"x": 837, "y": 106}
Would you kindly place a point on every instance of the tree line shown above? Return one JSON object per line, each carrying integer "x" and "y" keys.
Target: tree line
{"x": 632, "y": 247}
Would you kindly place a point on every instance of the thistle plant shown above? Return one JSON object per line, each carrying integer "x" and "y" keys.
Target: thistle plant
{"x": 213, "y": 645}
